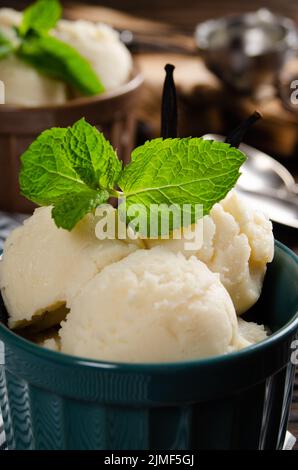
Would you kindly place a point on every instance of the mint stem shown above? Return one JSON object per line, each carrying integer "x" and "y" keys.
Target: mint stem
{"x": 169, "y": 105}
{"x": 236, "y": 136}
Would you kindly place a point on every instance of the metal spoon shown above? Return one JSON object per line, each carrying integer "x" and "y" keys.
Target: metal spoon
{"x": 267, "y": 184}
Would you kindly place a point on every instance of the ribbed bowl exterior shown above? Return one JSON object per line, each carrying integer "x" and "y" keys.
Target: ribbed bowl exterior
{"x": 237, "y": 401}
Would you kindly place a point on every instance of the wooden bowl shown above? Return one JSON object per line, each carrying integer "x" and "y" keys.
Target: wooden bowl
{"x": 111, "y": 112}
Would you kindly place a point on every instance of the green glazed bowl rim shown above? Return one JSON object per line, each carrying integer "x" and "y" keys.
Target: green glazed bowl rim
{"x": 76, "y": 361}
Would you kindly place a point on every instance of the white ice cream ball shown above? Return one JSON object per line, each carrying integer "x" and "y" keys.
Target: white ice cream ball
{"x": 237, "y": 243}
{"x": 98, "y": 43}
{"x": 254, "y": 224}
{"x": 250, "y": 333}
{"x": 153, "y": 306}
{"x": 25, "y": 86}
{"x": 243, "y": 245}
{"x": 44, "y": 267}
{"x": 101, "y": 46}
{"x": 196, "y": 237}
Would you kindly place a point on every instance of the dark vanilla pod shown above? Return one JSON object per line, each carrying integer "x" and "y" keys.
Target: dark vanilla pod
{"x": 169, "y": 113}
{"x": 169, "y": 105}
{"x": 236, "y": 136}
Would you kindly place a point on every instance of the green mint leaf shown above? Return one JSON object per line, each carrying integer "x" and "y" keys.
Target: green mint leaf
{"x": 56, "y": 59}
{"x": 46, "y": 172}
{"x": 84, "y": 145}
{"x": 6, "y": 47}
{"x": 71, "y": 208}
{"x": 180, "y": 171}
{"x": 40, "y": 17}
{"x": 76, "y": 169}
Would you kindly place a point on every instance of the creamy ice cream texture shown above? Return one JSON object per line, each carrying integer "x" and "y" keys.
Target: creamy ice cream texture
{"x": 43, "y": 266}
{"x": 24, "y": 85}
{"x": 249, "y": 333}
{"x": 162, "y": 308}
{"x": 237, "y": 243}
{"x": 140, "y": 305}
{"x": 98, "y": 43}
{"x": 101, "y": 46}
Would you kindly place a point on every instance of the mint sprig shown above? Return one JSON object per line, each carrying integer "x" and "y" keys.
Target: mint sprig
{"x": 76, "y": 169}
{"x": 40, "y": 17}
{"x": 49, "y": 55}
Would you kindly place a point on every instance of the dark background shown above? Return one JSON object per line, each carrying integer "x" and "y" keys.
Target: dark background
{"x": 185, "y": 14}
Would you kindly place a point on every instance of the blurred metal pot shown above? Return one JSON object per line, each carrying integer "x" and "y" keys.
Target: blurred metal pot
{"x": 246, "y": 51}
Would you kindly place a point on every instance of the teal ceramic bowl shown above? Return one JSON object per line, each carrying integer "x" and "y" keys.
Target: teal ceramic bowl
{"x": 237, "y": 401}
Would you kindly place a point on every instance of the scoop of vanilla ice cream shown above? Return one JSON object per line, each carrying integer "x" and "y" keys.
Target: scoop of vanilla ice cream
{"x": 250, "y": 332}
{"x": 24, "y": 86}
{"x": 98, "y": 43}
{"x": 237, "y": 243}
{"x": 44, "y": 267}
{"x": 243, "y": 245}
{"x": 101, "y": 46}
{"x": 152, "y": 306}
